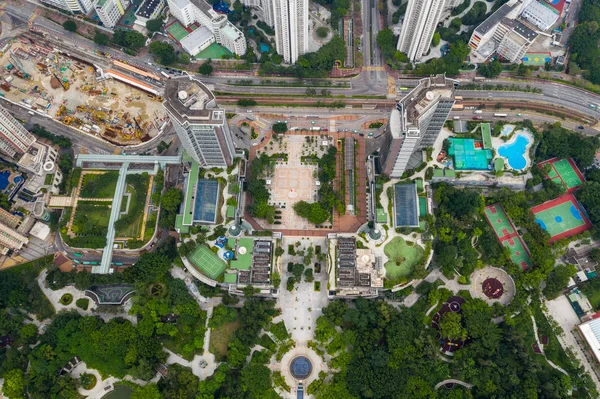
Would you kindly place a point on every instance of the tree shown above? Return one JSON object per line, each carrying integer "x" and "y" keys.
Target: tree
{"x": 149, "y": 391}
{"x": 154, "y": 25}
{"x": 206, "y": 68}
{"x": 557, "y": 280}
{"x": 387, "y": 43}
{"x": 14, "y": 384}
{"x": 451, "y": 326}
{"x": 184, "y": 59}
{"x": 435, "y": 41}
{"x": 134, "y": 40}
{"x": 164, "y": 52}
{"x": 101, "y": 39}
{"x": 280, "y": 127}
{"x": 70, "y": 26}
{"x": 491, "y": 69}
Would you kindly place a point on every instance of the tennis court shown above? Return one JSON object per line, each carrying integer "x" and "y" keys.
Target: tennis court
{"x": 207, "y": 261}
{"x": 499, "y": 221}
{"x": 469, "y": 154}
{"x": 565, "y": 172}
{"x": 508, "y": 236}
{"x": 207, "y": 198}
{"x": 406, "y": 207}
{"x": 518, "y": 253}
{"x": 214, "y": 51}
{"x": 561, "y": 217}
{"x": 177, "y": 31}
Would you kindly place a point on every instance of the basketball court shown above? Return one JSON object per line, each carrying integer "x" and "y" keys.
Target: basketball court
{"x": 562, "y": 217}
{"x": 508, "y": 236}
{"x": 207, "y": 261}
{"x": 564, "y": 172}
{"x": 177, "y": 31}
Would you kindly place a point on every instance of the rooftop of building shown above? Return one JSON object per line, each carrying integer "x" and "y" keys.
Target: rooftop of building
{"x": 522, "y": 29}
{"x": 493, "y": 20}
{"x": 189, "y": 100}
{"x": 180, "y": 3}
{"x": 231, "y": 31}
{"x": 148, "y": 7}
{"x": 101, "y": 3}
{"x": 197, "y": 37}
{"x": 424, "y": 96}
{"x": 542, "y": 12}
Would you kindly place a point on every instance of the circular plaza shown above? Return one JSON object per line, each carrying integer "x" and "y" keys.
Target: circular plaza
{"x": 492, "y": 285}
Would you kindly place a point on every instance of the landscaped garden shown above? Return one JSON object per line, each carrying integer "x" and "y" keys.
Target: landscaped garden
{"x": 129, "y": 224}
{"x": 403, "y": 256}
{"x": 90, "y": 224}
{"x": 101, "y": 185}
{"x": 66, "y": 299}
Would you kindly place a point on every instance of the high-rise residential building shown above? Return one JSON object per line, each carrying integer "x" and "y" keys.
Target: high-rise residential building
{"x": 199, "y": 123}
{"x": 263, "y": 8}
{"x": 416, "y": 122}
{"x": 14, "y": 138}
{"x": 291, "y": 28}
{"x": 420, "y": 22}
{"x": 226, "y": 34}
{"x": 74, "y": 6}
{"x": 110, "y": 11}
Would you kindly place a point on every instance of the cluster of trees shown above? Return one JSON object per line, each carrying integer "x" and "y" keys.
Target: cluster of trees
{"x": 583, "y": 42}
{"x": 459, "y": 219}
{"x": 556, "y": 141}
{"x": 491, "y": 69}
{"x": 169, "y": 206}
{"x": 400, "y": 11}
{"x": 130, "y": 39}
{"x": 449, "y": 63}
{"x": 163, "y": 52}
{"x": 61, "y": 141}
{"x": 311, "y": 65}
{"x": 589, "y": 195}
{"x": 319, "y": 212}
{"x": 256, "y": 186}
{"x": 84, "y": 225}
{"x": 338, "y": 8}
{"x": 476, "y": 14}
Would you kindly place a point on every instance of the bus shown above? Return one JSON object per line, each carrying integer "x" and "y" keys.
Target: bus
{"x": 500, "y": 115}
{"x": 166, "y": 75}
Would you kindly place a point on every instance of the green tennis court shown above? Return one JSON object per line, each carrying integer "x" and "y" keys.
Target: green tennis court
{"x": 518, "y": 253}
{"x": 561, "y": 217}
{"x": 499, "y": 221}
{"x": 177, "y": 31}
{"x": 567, "y": 173}
{"x": 214, "y": 52}
{"x": 207, "y": 261}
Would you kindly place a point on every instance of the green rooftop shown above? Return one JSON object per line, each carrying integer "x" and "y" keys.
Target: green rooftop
{"x": 230, "y": 278}
{"x": 188, "y": 213}
{"x": 450, "y": 173}
{"x": 230, "y": 211}
{"x": 498, "y": 164}
{"x": 438, "y": 172}
{"x": 486, "y": 135}
{"x": 419, "y": 182}
{"x": 179, "y": 225}
{"x": 381, "y": 215}
{"x": 243, "y": 261}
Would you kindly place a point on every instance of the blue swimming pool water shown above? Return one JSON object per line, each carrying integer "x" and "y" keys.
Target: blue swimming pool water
{"x": 18, "y": 179}
{"x": 506, "y": 130}
{"x": 515, "y": 152}
{"x": 264, "y": 48}
{"x": 4, "y": 175}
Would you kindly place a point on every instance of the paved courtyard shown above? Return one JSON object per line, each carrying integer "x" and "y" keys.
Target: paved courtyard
{"x": 488, "y": 272}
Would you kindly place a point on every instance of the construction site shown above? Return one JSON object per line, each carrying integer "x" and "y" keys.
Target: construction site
{"x": 77, "y": 94}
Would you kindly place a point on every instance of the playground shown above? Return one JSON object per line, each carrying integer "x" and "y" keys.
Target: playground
{"x": 563, "y": 172}
{"x": 562, "y": 217}
{"x": 453, "y": 304}
{"x": 402, "y": 258}
{"x": 508, "y": 236}
{"x": 207, "y": 262}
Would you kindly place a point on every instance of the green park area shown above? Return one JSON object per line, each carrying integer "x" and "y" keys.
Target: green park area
{"x": 220, "y": 338}
{"x": 403, "y": 256}
{"x": 90, "y": 225}
{"x": 130, "y": 221}
{"x": 101, "y": 185}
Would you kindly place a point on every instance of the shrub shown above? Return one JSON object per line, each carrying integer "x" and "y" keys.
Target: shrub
{"x": 82, "y": 303}
{"x": 322, "y": 32}
{"x": 70, "y": 26}
{"x": 66, "y": 299}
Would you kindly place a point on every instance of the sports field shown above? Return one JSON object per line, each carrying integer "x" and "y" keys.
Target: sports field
{"x": 177, "y": 31}
{"x": 508, "y": 236}
{"x": 561, "y": 217}
{"x": 214, "y": 51}
{"x": 207, "y": 261}
{"x": 565, "y": 172}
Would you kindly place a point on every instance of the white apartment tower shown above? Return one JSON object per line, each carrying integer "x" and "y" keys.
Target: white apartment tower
{"x": 110, "y": 11}
{"x": 263, "y": 8}
{"x": 199, "y": 123}
{"x": 14, "y": 138}
{"x": 416, "y": 123}
{"x": 74, "y": 6}
{"x": 420, "y": 21}
{"x": 291, "y": 28}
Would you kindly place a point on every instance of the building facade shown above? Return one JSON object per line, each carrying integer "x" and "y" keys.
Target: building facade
{"x": 420, "y": 22}
{"x": 263, "y": 8}
{"x": 74, "y": 6}
{"x": 150, "y": 9}
{"x": 110, "y": 11}
{"x": 226, "y": 34}
{"x": 514, "y": 39}
{"x": 291, "y": 28}
{"x": 199, "y": 123}
{"x": 14, "y": 138}
{"x": 416, "y": 122}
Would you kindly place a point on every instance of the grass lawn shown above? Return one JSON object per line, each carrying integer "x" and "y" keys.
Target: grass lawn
{"x": 91, "y": 218}
{"x": 595, "y": 300}
{"x": 220, "y": 337}
{"x": 402, "y": 258}
{"x": 99, "y": 186}
{"x": 131, "y": 226}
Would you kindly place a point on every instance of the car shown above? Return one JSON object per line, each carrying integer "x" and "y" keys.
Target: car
{"x": 477, "y": 118}
{"x": 361, "y": 134}
{"x": 580, "y": 127}
{"x": 325, "y": 129}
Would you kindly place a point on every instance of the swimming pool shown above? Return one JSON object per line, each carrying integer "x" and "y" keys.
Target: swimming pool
{"x": 4, "y": 175}
{"x": 515, "y": 152}
{"x": 507, "y": 130}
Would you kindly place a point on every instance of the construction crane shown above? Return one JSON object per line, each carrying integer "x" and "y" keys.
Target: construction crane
{"x": 16, "y": 61}
{"x": 65, "y": 85}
